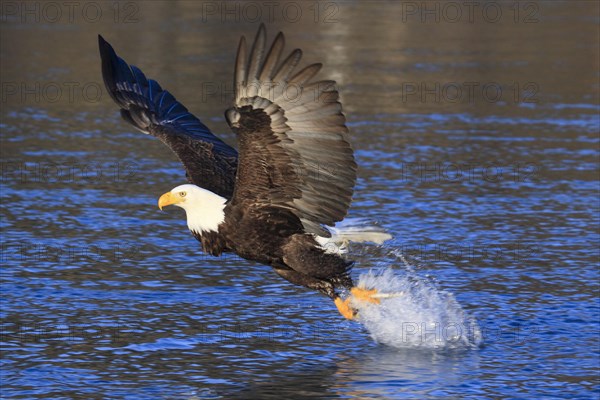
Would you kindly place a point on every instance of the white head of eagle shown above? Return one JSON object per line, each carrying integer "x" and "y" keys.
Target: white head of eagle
{"x": 204, "y": 209}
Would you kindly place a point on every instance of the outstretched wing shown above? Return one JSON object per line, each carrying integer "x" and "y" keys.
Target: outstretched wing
{"x": 209, "y": 162}
{"x": 293, "y": 141}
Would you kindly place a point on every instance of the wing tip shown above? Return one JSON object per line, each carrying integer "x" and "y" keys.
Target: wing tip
{"x": 109, "y": 64}
{"x": 262, "y": 28}
{"x": 106, "y": 50}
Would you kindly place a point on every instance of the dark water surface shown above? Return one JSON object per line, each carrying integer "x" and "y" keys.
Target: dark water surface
{"x": 478, "y": 148}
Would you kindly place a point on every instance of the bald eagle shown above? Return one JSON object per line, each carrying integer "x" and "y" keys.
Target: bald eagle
{"x": 293, "y": 174}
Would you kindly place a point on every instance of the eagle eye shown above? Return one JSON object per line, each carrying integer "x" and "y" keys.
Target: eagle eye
{"x": 182, "y": 194}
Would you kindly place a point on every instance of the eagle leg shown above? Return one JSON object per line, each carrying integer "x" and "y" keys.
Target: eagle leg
{"x": 357, "y": 293}
{"x": 311, "y": 282}
{"x": 344, "y": 308}
{"x": 365, "y": 295}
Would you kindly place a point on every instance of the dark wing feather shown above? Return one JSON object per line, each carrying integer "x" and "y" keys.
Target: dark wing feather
{"x": 209, "y": 162}
{"x": 293, "y": 141}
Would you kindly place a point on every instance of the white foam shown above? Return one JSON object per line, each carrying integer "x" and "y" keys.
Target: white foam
{"x": 418, "y": 315}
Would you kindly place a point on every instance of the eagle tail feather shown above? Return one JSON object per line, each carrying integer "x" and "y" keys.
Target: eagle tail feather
{"x": 353, "y": 230}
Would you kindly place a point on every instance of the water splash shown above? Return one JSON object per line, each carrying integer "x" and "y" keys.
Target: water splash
{"x": 418, "y": 315}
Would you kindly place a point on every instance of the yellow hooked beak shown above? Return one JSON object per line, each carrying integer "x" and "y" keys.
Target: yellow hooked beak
{"x": 168, "y": 199}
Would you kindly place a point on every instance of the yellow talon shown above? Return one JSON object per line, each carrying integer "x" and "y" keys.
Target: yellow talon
{"x": 343, "y": 306}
